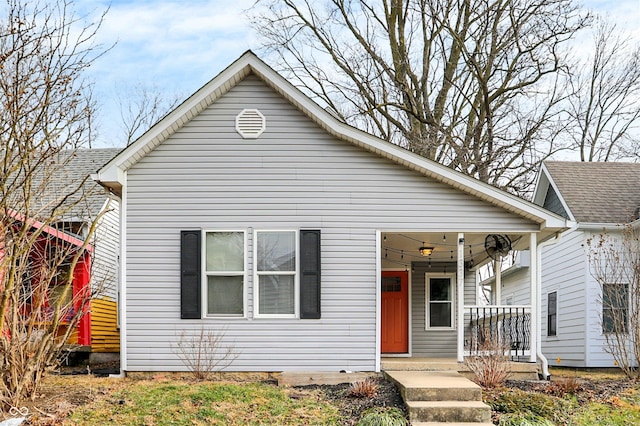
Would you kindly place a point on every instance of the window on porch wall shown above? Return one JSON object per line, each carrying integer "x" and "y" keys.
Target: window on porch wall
{"x": 440, "y": 294}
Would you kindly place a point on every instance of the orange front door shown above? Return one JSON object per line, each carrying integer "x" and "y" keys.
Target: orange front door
{"x": 395, "y": 312}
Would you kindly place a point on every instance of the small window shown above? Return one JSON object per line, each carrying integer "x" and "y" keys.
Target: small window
{"x": 440, "y": 295}
{"x": 615, "y": 307}
{"x": 276, "y": 273}
{"x": 225, "y": 272}
{"x": 552, "y": 308}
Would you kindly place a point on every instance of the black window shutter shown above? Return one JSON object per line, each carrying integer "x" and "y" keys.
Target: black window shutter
{"x": 190, "y": 274}
{"x": 310, "y": 275}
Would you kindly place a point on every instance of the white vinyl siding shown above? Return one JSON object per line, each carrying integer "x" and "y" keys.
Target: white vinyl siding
{"x": 565, "y": 271}
{"x": 295, "y": 176}
{"x": 104, "y": 278}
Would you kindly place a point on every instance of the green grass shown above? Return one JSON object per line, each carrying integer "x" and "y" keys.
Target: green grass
{"x": 621, "y": 410}
{"x": 188, "y": 403}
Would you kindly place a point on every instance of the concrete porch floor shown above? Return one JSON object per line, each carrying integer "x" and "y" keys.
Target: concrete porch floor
{"x": 519, "y": 370}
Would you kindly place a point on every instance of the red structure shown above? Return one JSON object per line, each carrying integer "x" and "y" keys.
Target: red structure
{"x": 54, "y": 241}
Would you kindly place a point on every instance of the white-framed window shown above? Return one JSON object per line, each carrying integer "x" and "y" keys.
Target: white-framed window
{"x": 552, "y": 313}
{"x": 615, "y": 308}
{"x": 440, "y": 296}
{"x": 225, "y": 270}
{"x": 276, "y": 274}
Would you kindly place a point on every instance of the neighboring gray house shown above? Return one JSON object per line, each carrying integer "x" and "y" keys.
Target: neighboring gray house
{"x": 595, "y": 197}
{"x": 251, "y": 211}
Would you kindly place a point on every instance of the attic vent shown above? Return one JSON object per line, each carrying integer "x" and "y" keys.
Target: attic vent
{"x": 250, "y": 123}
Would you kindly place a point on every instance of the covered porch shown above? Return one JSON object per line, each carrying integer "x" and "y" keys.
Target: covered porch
{"x": 432, "y": 311}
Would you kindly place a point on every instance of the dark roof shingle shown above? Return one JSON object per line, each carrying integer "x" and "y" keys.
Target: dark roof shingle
{"x": 598, "y": 192}
{"x": 76, "y": 166}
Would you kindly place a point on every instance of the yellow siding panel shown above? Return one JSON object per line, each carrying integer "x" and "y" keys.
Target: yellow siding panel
{"x": 104, "y": 326}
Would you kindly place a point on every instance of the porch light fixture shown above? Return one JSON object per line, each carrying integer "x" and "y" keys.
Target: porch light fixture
{"x": 425, "y": 251}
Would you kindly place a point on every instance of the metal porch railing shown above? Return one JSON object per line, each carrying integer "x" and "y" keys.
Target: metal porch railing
{"x": 491, "y": 328}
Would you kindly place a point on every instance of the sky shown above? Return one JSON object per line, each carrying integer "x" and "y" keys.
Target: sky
{"x": 177, "y": 46}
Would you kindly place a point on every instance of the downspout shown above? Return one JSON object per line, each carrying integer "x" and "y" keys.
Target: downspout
{"x": 544, "y": 363}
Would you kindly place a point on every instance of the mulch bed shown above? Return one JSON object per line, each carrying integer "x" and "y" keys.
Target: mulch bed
{"x": 585, "y": 390}
{"x": 352, "y": 408}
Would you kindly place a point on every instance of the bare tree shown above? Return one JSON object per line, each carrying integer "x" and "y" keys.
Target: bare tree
{"x": 141, "y": 106}
{"x": 603, "y": 108}
{"x": 45, "y": 111}
{"x": 472, "y": 84}
{"x": 614, "y": 258}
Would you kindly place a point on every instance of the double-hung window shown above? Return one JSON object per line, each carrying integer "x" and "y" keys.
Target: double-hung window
{"x": 615, "y": 308}
{"x": 225, "y": 273}
{"x": 276, "y": 273}
{"x": 440, "y": 296}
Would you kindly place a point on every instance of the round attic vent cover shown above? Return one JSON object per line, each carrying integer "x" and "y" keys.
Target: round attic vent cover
{"x": 250, "y": 123}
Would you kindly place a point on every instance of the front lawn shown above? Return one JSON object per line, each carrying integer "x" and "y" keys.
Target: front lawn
{"x": 571, "y": 398}
{"x": 174, "y": 400}
{"x": 186, "y": 403}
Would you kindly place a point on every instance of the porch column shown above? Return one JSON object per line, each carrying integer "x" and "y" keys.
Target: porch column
{"x": 535, "y": 313}
{"x": 460, "y": 292}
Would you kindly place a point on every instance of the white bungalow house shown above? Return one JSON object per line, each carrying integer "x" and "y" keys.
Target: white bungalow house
{"x": 310, "y": 245}
{"x": 595, "y": 197}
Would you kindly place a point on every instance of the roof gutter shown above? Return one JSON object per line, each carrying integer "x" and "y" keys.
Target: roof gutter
{"x": 599, "y": 226}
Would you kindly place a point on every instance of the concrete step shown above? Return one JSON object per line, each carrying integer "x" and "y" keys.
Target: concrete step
{"x": 434, "y": 386}
{"x": 448, "y": 411}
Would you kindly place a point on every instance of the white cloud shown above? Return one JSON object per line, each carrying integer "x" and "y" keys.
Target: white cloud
{"x": 178, "y": 46}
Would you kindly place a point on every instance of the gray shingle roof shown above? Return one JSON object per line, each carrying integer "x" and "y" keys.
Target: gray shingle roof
{"x": 76, "y": 166}
{"x": 598, "y": 192}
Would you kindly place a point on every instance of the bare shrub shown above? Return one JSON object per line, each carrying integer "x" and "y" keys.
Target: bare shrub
{"x": 367, "y": 388}
{"x": 204, "y": 352}
{"x": 490, "y": 365}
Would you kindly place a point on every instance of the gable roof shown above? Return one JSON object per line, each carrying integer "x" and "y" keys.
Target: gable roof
{"x": 592, "y": 192}
{"x": 112, "y": 174}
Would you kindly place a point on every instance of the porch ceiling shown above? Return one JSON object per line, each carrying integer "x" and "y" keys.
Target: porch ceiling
{"x": 400, "y": 249}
